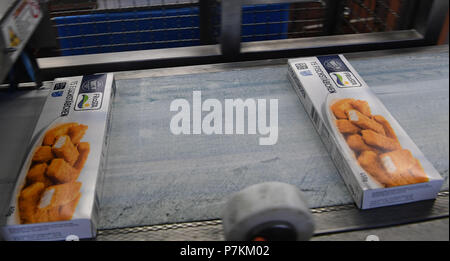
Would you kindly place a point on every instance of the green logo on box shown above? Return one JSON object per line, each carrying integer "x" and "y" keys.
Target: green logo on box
{"x": 89, "y": 101}
{"x": 345, "y": 79}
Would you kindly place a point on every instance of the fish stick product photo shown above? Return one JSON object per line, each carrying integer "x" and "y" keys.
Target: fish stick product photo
{"x": 58, "y": 186}
{"x": 379, "y": 163}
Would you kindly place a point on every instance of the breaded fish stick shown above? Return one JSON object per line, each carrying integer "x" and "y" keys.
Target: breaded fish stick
{"x": 37, "y": 174}
{"x": 356, "y": 143}
{"x": 28, "y": 200}
{"x": 43, "y": 154}
{"x": 387, "y": 127}
{"x": 54, "y": 133}
{"x": 63, "y": 148}
{"x": 363, "y": 107}
{"x": 340, "y": 107}
{"x": 83, "y": 149}
{"x": 364, "y": 122}
{"x": 66, "y": 211}
{"x": 76, "y": 133}
{"x": 369, "y": 161}
{"x": 407, "y": 177}
{"x": 379, "y": 141}
{"x": 418, "y": 173}
{"x": 57, "y": 198}
{"x": 61, "y": 172}
{"x": 398, "y": 161}
{"x": 346, "y": 127}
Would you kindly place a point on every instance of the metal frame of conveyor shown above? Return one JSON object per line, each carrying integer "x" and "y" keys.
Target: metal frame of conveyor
{"x": 420, "y": 27}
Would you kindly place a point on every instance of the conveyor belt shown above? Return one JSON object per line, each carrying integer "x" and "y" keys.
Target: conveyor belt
{"x": 153, "y": 177}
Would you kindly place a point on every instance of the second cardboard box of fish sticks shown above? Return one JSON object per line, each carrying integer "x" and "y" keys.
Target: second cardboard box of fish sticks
{"x": 378, "y": 161}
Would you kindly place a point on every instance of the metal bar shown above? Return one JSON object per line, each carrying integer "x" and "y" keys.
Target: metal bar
{"x": 435, "y": 21}
{"x": 354, "y": 219}
{"x": 230, "y": 33}
{"x": 278, "y": 34}
{"x": 130, "y": 60}
{"x": 127, "y": 20}
{"x": 420, "y": 22}
{"x": 283, "y": 10}
{"x": 342, "y": 10}
{"x": 127, "y": 32}
{"x": 126, "y": 57}
{"x": 407, "y": 13}
{"x": 206, "y": 21}
{"x": 286, "y": 22}
{"x": 113, "y": 10}
{"x": 128, "y": 44}
{"x": 331, "y": 14}
{"x": 430, "y": 230}
{"x": 335, "y": 42}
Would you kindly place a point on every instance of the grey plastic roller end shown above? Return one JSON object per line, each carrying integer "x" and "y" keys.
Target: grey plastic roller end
{"x": 268, "y": 211}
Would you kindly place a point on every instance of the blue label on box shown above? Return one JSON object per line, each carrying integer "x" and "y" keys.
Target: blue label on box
{"x": 91, "y": 91}
{"x": 333, "y": 63}
{"x": 339, "y": 72}
{"x": 57, "y": 94}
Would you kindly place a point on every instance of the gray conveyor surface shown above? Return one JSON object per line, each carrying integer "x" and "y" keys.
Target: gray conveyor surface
{"x": 155, "y": 177}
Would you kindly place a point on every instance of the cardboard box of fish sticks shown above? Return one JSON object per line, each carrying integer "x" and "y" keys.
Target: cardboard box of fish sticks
{"x": 376, "y": 158}
{"x": 57, "y": 189}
